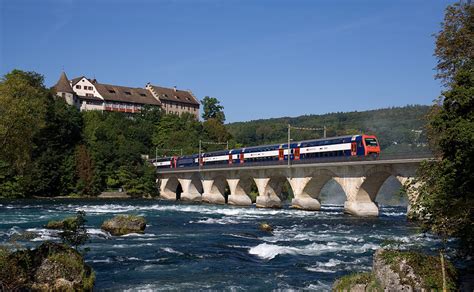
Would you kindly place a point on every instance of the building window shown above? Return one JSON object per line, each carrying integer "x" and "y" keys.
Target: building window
{"x": 89, "y": 94}
{"x": 78, "y": 86}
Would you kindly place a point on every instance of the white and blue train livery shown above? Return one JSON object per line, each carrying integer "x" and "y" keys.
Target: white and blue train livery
{"x": 344, "y": 146}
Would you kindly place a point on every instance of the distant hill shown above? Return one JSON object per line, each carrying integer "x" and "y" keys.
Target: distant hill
{"x": 399, "y": 129}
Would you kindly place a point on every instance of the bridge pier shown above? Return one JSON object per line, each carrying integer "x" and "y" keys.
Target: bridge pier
{"x": 213, "y": 191}
{"x": 238, "y": 193}
{"x": 358, "y": 201}
{"x": 267, "y": 197}
{"x": 302, "y": 200}
{"x": 190, "y": 191}
{"x": 412, "y": 194}
{"x": 168, "y": 188}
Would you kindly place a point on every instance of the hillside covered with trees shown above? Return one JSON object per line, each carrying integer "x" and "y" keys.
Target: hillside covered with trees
{"x": 49, "y": 148}
{"x": 399, "y": 129}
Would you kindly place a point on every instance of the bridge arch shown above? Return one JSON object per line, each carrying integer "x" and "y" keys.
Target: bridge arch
{"x": 319, "y": 179}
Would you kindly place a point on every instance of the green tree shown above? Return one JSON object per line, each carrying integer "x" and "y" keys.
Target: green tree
{"x": 215, "y": 131}
{"x": 446, "y": 200}
{"x": 211, "y": 109}
{"x": 455, "y": 41}
{"x": 74, "y": 232}
{"x": 54, "y": 146}
{"x": 85, "y": 171}
{"x": 22, "y": 110}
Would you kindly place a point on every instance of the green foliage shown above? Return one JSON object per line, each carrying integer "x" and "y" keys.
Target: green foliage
{"x": 74, "y": 232}
{"x": 13, "y": 273}
{"x": 60, "y": 224}
{"x": 22, "y": 110}
{"x": 445, "y": 186}
{"x": 211, "y": 109}
{"x": 455, "y": 42}
{"x": 346, "y": 282}
{"x": 427, "y": 267}
{"x": 397, "y": 128}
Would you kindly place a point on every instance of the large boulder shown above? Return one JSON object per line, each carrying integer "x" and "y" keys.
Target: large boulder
{"x": 399, "y": 270}
{"x": 124, "y": 224}
{"x": 395, "y": 270}
{"x": 50, "y": 267}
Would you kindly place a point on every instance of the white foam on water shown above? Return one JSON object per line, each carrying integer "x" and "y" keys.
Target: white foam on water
{"x": 239, "y": 246}
{"x": 170, "y": 250}
{"x": 241, "y": 236}
{"x": 99, "y": 232}
{"x": 320, "y": 270}
{"x": 139, "y": 235}
{"x": 131, "y": 245}
{"x": 270, "y": 251}
{"x": 44, "y": 234}
{"x": 108, "y": 260}
{"x": 318, "y": 286}
{"x": 221, "y": 221}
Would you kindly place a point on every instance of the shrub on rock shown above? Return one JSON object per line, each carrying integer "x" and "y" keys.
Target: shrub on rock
{"x": 124, "y": 224}
{"x": 59, "y": 224}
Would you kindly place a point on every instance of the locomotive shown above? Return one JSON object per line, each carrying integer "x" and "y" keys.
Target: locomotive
{"x": 314, "y": 150}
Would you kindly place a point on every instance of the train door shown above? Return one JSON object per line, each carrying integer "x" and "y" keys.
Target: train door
{"x": 297, "y": 153}
{"x": 354, "y": 148}
{"x": 230, "y": 158}
{"x": 201, "y": 161}
{"x": 174, "y": 162}
{"x": 242, "y": 157}
{"x": 281, "y": 155}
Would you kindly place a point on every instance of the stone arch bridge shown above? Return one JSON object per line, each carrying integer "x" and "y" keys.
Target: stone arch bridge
{"x": 360, "y": 180}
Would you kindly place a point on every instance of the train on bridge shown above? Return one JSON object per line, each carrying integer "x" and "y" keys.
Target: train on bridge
{"x": 343, "y": 146}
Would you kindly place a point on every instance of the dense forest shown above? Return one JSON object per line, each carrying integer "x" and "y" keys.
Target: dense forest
{"x": 399, "y": 129}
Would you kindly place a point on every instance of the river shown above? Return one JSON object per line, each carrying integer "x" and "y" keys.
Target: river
{"x": 207, "y": 247}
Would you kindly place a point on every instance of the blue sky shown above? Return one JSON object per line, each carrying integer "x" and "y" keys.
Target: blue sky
{"x": 260, "y": 58}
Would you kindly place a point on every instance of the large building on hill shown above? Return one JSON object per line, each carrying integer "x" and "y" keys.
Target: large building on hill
{"x": 88, "y": 94}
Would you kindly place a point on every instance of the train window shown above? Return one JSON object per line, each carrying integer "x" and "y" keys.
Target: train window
{"x": 371, "y": 142}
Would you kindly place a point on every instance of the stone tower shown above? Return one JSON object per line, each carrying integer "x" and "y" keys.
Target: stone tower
{"x": 63, "y": 89}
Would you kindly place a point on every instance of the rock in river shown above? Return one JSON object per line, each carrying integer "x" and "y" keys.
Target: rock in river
{"x": 124, "y": 224}
{"x": 265, "y": 227}
{"x": 50, "y": 267}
